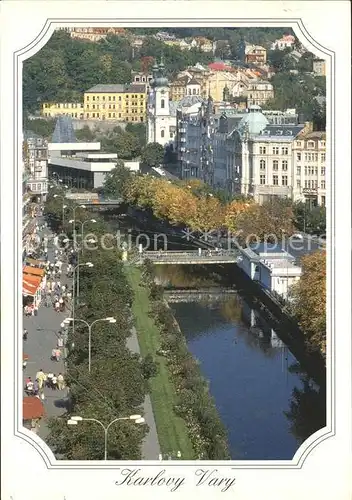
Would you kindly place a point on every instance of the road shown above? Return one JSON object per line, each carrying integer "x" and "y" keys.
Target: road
{"x": 42, "y": 338}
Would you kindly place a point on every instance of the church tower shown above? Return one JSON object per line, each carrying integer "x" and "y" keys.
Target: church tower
{"x": 159, "y": 119}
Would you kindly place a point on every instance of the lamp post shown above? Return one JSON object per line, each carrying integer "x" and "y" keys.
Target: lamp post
{"x": 110, "y": 319}
{"x": 137, "y": 419}
{"x": 72, "y": 221}
{"x": 63, "y": 206}
{"x": 88, "y": 264}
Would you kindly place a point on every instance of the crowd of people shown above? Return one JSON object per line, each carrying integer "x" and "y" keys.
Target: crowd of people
{"x": 54, "y": 293}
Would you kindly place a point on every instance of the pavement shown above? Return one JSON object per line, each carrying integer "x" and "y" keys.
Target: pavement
{"x": 150, "y": 445}
{"x": 42, "y": 338}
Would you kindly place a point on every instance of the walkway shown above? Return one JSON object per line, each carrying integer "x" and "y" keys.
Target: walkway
{"x": 42, "y": 338}
{"x": 150, "y": 445}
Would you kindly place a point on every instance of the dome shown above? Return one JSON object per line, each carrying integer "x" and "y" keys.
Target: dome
{"x": 254, "y": 120}
{"x": 161, "y": 81}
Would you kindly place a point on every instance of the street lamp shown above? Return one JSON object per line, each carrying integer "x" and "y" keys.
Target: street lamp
{"x": 109, "y": 319}
{"x": 137, "y": 419}
{"x": 63, "y": 206}
{"x": 72, "y": 221}
{"x": 87, "y": 264}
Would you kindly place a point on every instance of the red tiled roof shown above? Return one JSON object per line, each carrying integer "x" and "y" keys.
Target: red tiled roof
{"x": 32, "y": 408}
{"x": 219, "y": 66}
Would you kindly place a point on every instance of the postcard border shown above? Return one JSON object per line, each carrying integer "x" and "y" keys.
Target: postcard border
{"x": 329, "y": 431}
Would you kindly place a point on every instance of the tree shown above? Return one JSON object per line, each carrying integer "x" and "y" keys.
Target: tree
{"x": 309, "y": 299}
{"x": 41, "y": 127}
{"x": 152, "y": 154}
{"x": 116, "y": 181}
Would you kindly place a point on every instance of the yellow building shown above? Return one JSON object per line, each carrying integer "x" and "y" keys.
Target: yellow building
{"x": 72, "y": 109}
{"x": 126, "y": 103}
{"x": 319, "y": 67}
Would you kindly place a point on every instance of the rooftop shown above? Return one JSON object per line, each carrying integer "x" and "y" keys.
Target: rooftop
{"x": 118, "y": 88}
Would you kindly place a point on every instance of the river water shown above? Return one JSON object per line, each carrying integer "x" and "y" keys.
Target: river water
{"x": 266, "y": 401}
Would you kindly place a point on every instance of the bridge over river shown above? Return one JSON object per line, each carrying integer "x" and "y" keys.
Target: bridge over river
{"x": 215, "y": 294}
{"x": 191, "y": 257}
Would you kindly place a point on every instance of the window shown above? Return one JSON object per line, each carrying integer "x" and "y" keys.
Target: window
{"x": 93, "y": 97}
{"x": 323, "y": 201}
{"x": 299, "y": 156}
{"x": 87, "y": 106}
{"x": 98, "y": 115}
{"x": 109, "y": 97}
{"x": 323, "y": 157}
{"x": 87, "y": 97}
{"x": 305, "y": 171}
{"x": 262, "y": 179}
{"x": 305, "y": 184}
{"x": 275, "y": 150}
{"x": 137, "y": 79}
{"x": 114, "y": 98}
{"x": 322, "y": 184}
{"x": 311, "y": 144}
{"x": 298, "y": 143}
{"x": 284, "y": 151}
{"x": 262, "y": 164}
{"x": 109, "y": 115}
{"x": 162, "y": 134}
{"x": 93, "y": 115}
{"x": 298, "y": 183}
{"x": 163, "y": 103}
{"x": 322, "y": 144}
{"x": 298, "y": 171}
{"x": 322, "y": 170}
{"x": 284, "y": 180}
{"x": 119, "y": 115}
{"x": 284, "y": 165}
{"x": 103, "y": 97}
{"x": 262, "y": 150}
{"x": 93, "y": 106}
{"x": 275, "y": 180}
{"x": 113, "y": 115}
{"x": 275, "y": 164}
{"x": 119, "y": 98}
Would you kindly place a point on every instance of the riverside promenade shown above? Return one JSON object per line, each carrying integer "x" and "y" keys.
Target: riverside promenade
{"x": 42, "y": 338}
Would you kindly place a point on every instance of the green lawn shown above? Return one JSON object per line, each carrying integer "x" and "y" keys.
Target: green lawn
{"x": 172, "y": 430}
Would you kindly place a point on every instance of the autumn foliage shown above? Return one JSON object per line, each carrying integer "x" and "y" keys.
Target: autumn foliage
{"x": 191, "y": 203}
{"x": 309, "y": 296}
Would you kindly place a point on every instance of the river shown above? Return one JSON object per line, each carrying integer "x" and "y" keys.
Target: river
{"x": 266, "y": 401}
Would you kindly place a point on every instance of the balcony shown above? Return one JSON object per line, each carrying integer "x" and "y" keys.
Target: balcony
{"x": 310, "y": 191}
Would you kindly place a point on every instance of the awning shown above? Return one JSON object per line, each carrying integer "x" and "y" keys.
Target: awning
{"x": 30, "y": 284}
{"x": 33, "y": 271}
{"x": 32, "y": 408}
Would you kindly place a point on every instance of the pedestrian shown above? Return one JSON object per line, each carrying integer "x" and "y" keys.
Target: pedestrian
{"x": 25, "y": 334}
{"x": 56, "y": 252}
{"x": 63, "y": 288}
{"x": 35, "y": 310}
{"x": 60, "y": 382}
{"x": 62, "y": 305}
{"x": 199, "y": 252}
{"x": 58, "y": 284}
{"x": 57, "y": 354}
{"x": 57, "y": 306}
{"x": 41, "y": 377}
{"x": 49, "y": 379}
{"x": 52, "y": 286}
{"x": 60, "y": 342}
{"x": 54, "y": 382}
{"x": 29, "y": 385}
{"x": 36, "y": 387}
